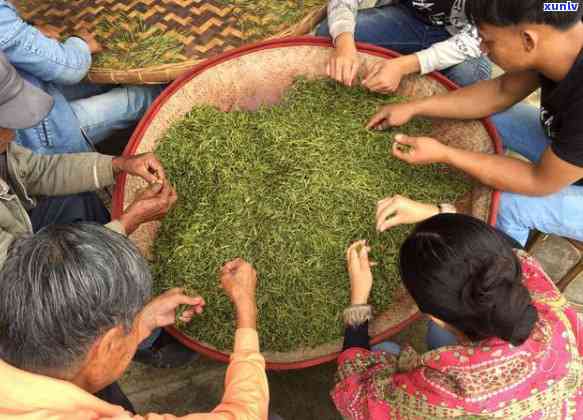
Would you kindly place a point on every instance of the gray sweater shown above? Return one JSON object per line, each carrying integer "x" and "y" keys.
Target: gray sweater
{"x": 463, "y": 44}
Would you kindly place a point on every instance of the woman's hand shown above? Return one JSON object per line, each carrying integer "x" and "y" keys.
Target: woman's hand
{"x": 359, "y": 270}
{"x": 344, "y": 62}
{"x": 398, "y": 210}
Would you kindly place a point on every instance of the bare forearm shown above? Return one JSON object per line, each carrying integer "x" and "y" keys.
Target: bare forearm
{"x": 473, "y": 102}
{"x": 499, "y": 172}
{"x": 481, "y": 99}
{"x": 247, "y": 315}
{"x": 409, "y": 64}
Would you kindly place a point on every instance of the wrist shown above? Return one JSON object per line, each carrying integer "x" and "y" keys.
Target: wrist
{"x": 345, "y": 44}
{"x": 128, "y": 222}
{"x": 447, "y": 155}
{"x": 408, "y": 64}
{"x": 117, "y": 165}
{"x": 431, "y": 210}
{"x": 246, "y": 315}
{"x": 359, "y": 298}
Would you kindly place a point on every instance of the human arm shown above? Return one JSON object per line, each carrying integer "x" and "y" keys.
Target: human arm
{"x": 344, "y": 62}
{"x": 64, "y": 174}
{"x": 385, "y": 76}
{"x": 462, "y": 46}
{"x": 359, "y": 313}
{"x": 29, "y": 50}
{"x": 246, "y": 395}
{"x": 54, "y": 175}
{"x": 471, "y": 102}
{"x": 504, "y": 173}
{"x": 398, "y": 210}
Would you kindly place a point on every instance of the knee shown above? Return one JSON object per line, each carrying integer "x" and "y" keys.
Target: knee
{"x": 471, "y": 71}
{"x": 511, "y": 217}
{"x": 141, "y": 97}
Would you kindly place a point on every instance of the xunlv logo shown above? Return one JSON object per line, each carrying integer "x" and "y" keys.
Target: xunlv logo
{"x": 567, "y": 6}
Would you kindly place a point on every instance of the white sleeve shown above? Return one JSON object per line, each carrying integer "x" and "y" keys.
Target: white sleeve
{"x": 460, "y": 47}
{"x": 342, "y": 16}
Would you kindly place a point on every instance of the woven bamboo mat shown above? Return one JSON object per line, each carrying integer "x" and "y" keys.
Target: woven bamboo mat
{"x": 155, "y": 41}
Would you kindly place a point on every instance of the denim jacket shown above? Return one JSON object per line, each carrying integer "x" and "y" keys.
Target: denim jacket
{"x": 46, "y": 64}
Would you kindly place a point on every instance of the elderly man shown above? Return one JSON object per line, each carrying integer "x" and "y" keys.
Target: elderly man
{"x": 58, "y": 346}
{"x": 36, "y": 191}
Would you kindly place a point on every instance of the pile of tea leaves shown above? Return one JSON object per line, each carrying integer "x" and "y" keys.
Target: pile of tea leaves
{"x": 258, "y": 20}
{"x": 287, "y": 188}
{"x": 130, "y": 43}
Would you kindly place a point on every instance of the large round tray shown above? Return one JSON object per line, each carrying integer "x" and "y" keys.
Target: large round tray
{"x": 258, "y": 74}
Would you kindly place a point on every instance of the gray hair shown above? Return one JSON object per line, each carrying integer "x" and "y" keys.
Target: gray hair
{"x": 63, "y": 288}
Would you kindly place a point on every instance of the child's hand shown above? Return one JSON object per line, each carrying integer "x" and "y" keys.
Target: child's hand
{"x": 359, "y": 269}
{"x": 384, "y": 76}
{"x": 344, "y": 62}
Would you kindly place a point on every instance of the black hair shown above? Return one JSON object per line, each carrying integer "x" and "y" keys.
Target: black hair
{"x": 514, "y": 12}
{"x": 464, "y": 272}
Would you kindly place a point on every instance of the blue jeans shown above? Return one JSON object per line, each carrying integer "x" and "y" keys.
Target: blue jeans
{"x": 103, "y": 109}
{"x": 396, "y": 28}
{"x": 436, "y": 337}
{"x": 559, "y": 213}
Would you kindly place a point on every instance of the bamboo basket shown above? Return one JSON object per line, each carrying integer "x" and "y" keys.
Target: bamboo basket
{"x": 206, "y": 28}
{"x": 257, "y": 75}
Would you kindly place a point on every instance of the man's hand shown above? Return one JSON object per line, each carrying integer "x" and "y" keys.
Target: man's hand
{"x": 344, "y": 62}
{"x": 359, "y": 270}
{"x": 152, "y": 204}
{"x": 147, "y": 166}
{"x": 419, "y": 150}
{"x": 393, "y": 115}
{"x": 161, "y": 311}
{"x": 239, "y": 281}
{"x": 92, "y": 42}
{"x": 398, "y": 210}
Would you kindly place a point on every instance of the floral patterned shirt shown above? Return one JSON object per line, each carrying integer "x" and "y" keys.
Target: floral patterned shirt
{"x": 541, "y": 379}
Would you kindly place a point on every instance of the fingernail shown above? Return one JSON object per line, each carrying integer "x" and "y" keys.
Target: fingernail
{"x": 398, "y": 137}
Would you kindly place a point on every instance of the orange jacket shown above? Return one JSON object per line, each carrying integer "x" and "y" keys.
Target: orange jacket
{"x": 27, "y": 396}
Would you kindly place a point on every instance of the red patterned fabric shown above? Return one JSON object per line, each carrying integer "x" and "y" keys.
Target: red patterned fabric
{"x": 538, "y": 380}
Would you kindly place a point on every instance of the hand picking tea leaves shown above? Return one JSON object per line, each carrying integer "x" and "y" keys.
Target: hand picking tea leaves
{"x": 288, "y": 188}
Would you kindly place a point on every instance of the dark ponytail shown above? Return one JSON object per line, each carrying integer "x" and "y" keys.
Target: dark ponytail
{"x": 465, "y": 273}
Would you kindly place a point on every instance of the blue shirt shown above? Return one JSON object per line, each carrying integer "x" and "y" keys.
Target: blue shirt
{"x": 47, "y": 64}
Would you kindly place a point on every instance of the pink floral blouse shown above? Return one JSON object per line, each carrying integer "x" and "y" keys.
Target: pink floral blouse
{"x": 541, "y": 379}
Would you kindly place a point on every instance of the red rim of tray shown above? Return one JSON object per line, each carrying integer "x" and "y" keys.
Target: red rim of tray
{"x": 118, "y": 196}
